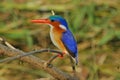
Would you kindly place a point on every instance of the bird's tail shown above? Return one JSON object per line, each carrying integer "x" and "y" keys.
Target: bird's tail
{"x": 76, "y": 60}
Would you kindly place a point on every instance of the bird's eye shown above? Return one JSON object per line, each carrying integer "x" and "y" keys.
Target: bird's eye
{"x": 52, "y": 20}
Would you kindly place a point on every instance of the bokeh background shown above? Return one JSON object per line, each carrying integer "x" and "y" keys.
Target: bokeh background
{"x": 94, "y": 23}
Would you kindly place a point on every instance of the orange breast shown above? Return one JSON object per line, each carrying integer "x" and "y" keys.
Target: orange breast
{"x": 56, "y": 35}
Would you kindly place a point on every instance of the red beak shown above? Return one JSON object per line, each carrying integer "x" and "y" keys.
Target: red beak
{"x": 40, "y": 21}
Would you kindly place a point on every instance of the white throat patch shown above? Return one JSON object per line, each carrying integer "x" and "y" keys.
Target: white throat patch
{"x": 50, "y": 25}
{"x": 63, "y": 27}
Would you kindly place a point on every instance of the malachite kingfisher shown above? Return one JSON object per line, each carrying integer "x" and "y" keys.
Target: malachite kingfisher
{"x": 61, "y": 35}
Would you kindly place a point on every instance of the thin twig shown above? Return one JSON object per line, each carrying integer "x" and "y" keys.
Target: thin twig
{"x": 30, "y": 53}
{"x": 52, "y": 58}
{"x": 6, "y": 43}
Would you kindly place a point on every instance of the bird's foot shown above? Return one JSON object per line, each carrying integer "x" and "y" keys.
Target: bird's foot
{"x": 61, "y": 55}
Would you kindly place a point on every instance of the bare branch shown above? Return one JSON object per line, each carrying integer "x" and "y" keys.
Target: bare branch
{"x": 30, "y": 53}
{"x": 36, "y": 62}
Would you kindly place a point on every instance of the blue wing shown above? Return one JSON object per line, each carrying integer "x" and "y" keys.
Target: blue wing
{"x": 70, "y": 43}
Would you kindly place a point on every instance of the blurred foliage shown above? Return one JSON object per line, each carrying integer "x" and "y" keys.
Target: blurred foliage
{"x": 95, "y": 24}
{"x": 92, "y": 20}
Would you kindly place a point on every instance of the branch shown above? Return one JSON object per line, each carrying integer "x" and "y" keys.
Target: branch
{"x": 36, "y": 62}
{"x": 33, "y": 52}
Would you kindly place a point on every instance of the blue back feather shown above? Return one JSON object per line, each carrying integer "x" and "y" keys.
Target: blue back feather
{"x": 69, "y": 42}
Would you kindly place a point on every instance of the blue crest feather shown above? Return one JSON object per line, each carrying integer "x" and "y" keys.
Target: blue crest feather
{"x": 59, "y": 19}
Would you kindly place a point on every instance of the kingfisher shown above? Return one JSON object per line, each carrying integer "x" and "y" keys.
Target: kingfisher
{"x": 60, "y": 35}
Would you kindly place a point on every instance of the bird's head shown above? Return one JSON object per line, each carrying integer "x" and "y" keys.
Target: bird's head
{"x": 53, "y": 21}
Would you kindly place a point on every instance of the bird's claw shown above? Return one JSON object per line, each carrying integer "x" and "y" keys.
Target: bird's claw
{"x": 61, "y": 55}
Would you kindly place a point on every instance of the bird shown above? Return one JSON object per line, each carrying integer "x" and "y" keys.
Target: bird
{"x": 61, "y": 35}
